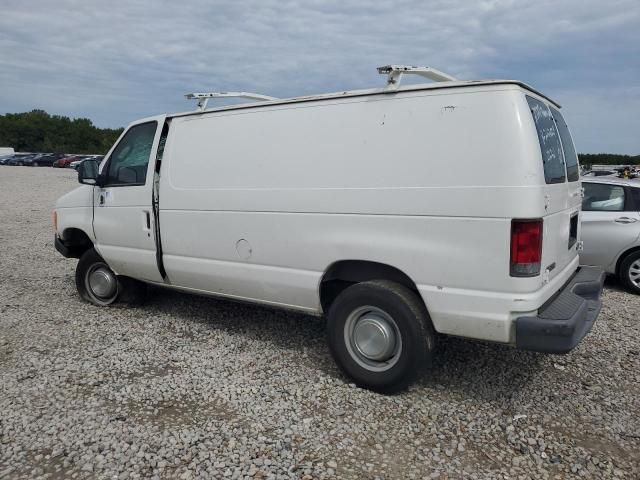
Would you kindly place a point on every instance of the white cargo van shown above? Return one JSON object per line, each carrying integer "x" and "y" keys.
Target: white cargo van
{"x": 401, "y": 212}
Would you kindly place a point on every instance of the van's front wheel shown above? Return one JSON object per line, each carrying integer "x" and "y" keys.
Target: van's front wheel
{"x": 95, "y": 281}
{"x": 98, "y": 284}
{"x": 380, "y": 335}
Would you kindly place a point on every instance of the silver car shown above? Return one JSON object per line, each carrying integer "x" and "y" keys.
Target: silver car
{"x": 611, "y": 227}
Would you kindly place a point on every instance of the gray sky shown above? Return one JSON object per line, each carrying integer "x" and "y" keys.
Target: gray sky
{"x": 117, "y": 61}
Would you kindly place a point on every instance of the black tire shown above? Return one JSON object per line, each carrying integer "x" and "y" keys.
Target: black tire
{"x": 411, "y": 323}
{"x": 630, "y": 267}
{"x": 121, "y": 288}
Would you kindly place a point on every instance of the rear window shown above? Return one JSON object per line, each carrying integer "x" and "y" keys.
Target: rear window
{"x": 549, "y": 139}
{"x": 570, "y": 157}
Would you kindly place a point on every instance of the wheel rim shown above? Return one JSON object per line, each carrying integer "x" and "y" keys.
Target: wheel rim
{"x": 35, "y": 164}
{"x": 372, "y": 338}
{"x": 101, "y": 284}
{"x": 634, "y": 273}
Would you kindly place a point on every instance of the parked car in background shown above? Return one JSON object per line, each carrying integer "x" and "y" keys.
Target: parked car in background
{"x": 76, "y": 163}
{"x": 611, "y": 228}
{"x": 31, "y": 160}
{"x": 627, "y": 172}
{"x": 59, "y": 160}
{"x": 600, "y": 173}
{"x": 20, "y": 159}
{"x": 44, "y": 159}
{"x": 15, "y": 159}
{"x": 65, "y": 162}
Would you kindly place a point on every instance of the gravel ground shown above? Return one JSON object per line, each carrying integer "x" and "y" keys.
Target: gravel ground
{"x": 188, "y": 387}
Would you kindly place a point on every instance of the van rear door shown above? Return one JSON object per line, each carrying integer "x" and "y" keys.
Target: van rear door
{"x": 562, "y": 191}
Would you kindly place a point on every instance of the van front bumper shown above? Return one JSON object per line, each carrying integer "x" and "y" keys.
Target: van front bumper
{"x": 565, "y": 320}
{"x": 68, "y": 251}
{"x": 62, "y": 248}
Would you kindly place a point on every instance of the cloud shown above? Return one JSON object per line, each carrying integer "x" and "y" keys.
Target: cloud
{"x": 118, "y": 61}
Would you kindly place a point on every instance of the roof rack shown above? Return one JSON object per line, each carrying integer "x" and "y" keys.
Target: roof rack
{"x": 203, "y": 98}
{"x": 394, "y": 74}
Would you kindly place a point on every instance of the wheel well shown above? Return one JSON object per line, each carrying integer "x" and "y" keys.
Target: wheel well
{"x": 344, "y": 273}
{"x": 77, "y": 241}
{"x": 623, "y": 256}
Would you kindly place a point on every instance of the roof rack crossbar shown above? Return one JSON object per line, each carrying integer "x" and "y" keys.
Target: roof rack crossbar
{"x": 394, "y": 74}
{"x": 203, "y": 98}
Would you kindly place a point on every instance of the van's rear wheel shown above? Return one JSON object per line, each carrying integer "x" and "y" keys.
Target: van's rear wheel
{"x": 380, "y": 335}
{"x": 630, "y": 272}
{"x": 98, "y": 284}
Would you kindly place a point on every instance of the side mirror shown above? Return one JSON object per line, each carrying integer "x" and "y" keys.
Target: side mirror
{"x": 88, "y": 172}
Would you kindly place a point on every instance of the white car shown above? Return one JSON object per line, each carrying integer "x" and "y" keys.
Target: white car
{"x": 75, "y": 164}
{"x": 611, "y": 228}
{"x": 397, "y": 212}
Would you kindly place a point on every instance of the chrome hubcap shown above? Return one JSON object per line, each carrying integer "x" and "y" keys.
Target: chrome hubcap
{"x": 102, "y": 282}
{"x": 372, "y": 338}
{"x": 634, "y": 273}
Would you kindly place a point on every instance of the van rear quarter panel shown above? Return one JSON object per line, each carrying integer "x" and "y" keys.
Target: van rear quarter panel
{"x": 427, "y": 182}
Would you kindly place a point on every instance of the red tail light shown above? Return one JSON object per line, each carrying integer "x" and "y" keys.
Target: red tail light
{"x": 526, "y": 247}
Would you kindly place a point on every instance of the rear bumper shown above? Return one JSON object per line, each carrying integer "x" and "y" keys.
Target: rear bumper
{"x": 564, "y": 321}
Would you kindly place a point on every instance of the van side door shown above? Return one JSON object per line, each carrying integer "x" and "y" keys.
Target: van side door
{"x": 123, "y": 220}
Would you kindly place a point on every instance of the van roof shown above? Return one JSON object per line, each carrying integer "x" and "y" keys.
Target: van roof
{"x": 368, "y": 92}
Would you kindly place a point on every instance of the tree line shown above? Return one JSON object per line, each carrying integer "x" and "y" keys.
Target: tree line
{"x": 608, "y": 159}
{"x": 37, "y": 131}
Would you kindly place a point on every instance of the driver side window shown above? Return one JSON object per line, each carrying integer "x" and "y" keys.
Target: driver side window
{"x": 129, "y": 160}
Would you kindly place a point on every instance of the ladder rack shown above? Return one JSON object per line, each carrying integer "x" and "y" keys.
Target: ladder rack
{"x": 203, "y": 98}
{"x": 394, "y": 74}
